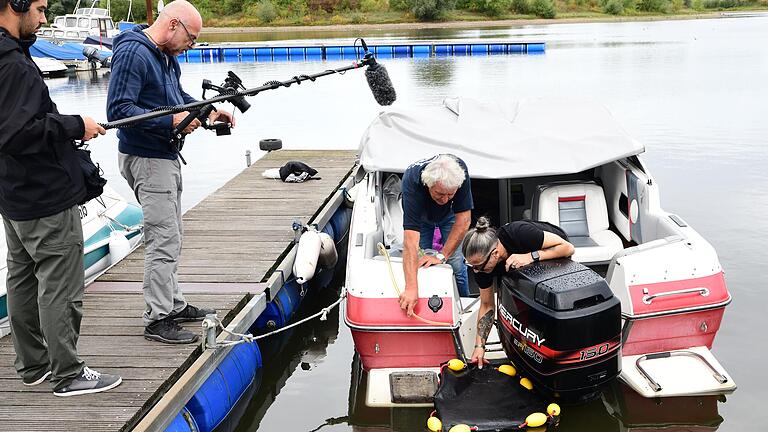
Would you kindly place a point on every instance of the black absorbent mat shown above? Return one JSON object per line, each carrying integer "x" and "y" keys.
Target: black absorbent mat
{"x": 485, "y": 398}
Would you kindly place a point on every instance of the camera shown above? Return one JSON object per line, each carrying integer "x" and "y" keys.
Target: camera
{"x": 232, "y": 84}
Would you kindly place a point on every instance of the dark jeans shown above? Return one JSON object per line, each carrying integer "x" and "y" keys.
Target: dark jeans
{"x": 456, "y": 260}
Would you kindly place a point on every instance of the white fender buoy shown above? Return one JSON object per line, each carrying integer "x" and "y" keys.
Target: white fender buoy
{"x": 306, "y": 256}
{"x": 119, "y": 246}
{"x": 328, "y": 255}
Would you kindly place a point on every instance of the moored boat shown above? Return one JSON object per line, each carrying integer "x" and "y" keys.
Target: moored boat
{"x": 83, "y": 22}
{"x": 655, "y": 286}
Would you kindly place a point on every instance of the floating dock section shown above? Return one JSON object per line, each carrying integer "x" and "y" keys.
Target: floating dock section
{"x": 265, "y": 53}
{"x": 236, "y": 257}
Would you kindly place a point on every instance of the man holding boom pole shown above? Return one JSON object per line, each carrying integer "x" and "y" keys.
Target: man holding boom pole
{"x": 145, "y": 75}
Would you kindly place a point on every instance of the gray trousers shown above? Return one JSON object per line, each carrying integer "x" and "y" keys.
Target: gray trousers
{"x": 45, "y": 294}
{"x": 157, "y": 186}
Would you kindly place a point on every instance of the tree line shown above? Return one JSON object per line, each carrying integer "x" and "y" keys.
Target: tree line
{"x": 313, "y": 12}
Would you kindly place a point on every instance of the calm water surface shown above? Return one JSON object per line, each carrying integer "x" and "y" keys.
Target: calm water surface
{"x": 695, "y": 92}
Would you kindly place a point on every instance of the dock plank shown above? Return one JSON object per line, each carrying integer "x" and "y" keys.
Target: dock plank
{"x": 231, "y": 241}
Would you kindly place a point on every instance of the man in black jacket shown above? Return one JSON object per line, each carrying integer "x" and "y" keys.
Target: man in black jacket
{"x": 41, "y": 184}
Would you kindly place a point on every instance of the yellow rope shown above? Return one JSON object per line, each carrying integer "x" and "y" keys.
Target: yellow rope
{"x": 385, "y": 252}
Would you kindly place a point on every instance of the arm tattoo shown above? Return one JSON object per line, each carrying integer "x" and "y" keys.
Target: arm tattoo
{"x": 485, "y": 324}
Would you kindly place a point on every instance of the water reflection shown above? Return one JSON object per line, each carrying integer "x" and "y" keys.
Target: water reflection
{"x": 433, "y": 72}
{"x": 296, "y": 350}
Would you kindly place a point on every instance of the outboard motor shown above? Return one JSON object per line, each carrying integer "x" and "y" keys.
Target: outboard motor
{"x": 561, "y": 325}
{"x": 95, "y": 56}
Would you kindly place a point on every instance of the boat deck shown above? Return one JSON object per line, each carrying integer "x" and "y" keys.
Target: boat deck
{"x": 232, "y": 241}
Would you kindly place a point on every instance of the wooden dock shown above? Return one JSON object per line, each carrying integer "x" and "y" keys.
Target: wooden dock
{"x": 232, "y": 242}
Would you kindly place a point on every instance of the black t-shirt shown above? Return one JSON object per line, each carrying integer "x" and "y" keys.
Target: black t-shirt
{"x": 418, "y": 205}
{"x": 518, "y": 237}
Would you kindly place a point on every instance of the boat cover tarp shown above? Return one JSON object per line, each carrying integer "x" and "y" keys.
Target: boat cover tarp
{"x": 105, "y": 42}
{"x": 67, "y": 51}
{"x": 486, "y": 399}
{"x": 529, "y": 137}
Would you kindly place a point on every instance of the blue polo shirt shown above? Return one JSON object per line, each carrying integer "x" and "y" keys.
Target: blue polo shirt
{"x": 419, "y": 207}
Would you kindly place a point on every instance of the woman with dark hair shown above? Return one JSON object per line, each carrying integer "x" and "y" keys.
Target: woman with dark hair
{"x": 490, "y": 252}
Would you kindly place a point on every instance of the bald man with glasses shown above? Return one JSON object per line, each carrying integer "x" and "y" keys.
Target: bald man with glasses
{"x": 146, "y": 75}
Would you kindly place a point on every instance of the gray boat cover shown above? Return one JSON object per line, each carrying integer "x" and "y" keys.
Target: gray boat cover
{"x": 529, "y": 137}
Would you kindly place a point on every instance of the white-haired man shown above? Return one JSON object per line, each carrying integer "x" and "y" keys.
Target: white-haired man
{"x": 436, "y": 194}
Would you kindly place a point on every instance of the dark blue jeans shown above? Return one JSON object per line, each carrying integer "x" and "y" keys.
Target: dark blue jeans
{"x": 456, "y": 261}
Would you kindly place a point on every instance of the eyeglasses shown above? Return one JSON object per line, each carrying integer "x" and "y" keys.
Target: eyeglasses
{"x": 192, "y": 40}
{"x": 480, "y": 267}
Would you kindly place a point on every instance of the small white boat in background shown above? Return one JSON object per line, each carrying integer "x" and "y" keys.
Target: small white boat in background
{"x": 51, "y": 68}
{"x": 112, "y": 228}
{"x": 641, "y": 299}
{"x": 84, "y": 22}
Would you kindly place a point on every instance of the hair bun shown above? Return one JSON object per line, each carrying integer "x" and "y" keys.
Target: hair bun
{"x": 482, "y": 224}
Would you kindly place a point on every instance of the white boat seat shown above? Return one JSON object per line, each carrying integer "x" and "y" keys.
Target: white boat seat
{"x": 580, "y": 210}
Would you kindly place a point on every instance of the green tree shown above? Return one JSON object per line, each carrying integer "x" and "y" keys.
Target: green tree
{"x": 544, "y": 8}
{"x": 521, "y": 7}
{"x": 431, "y": 10}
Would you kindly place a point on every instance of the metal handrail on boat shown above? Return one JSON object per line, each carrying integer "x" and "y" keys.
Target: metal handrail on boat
{"x": 648, "y": 298}
{"x": 655, "y": 385}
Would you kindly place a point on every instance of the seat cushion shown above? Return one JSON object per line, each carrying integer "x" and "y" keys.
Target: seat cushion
{"x": 580, "y": 210}
{"x": 606, "y": 244}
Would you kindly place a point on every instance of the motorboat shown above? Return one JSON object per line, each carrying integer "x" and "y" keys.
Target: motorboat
{"x": 50, "y": 67}
{"x": 112, "y": 228}
{"x": 74, "y": 55}
{"x": 641, "y": 299}
{"x": 77, "y": 26}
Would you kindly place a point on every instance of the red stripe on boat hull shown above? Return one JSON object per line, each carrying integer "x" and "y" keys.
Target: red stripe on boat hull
{"x": 673, "y": 332}
{"x": 402, "y": 349}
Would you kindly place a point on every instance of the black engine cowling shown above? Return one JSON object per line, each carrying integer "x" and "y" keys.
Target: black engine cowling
{"x": 561, "y": 324}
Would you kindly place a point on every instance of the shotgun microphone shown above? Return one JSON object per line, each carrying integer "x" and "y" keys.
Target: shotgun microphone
{"x": 378, "y": 79}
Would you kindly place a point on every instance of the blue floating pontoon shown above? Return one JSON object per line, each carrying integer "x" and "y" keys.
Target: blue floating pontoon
{"x": 221, "y": 391}
{"x": 322, "y": 52}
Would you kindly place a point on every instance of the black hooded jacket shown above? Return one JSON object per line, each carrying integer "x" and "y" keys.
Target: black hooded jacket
{"x": 39, "y": 170}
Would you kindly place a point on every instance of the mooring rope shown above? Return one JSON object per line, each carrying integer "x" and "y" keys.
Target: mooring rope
{"x": 383, "y": 250}
{"x": 247, "y": 337}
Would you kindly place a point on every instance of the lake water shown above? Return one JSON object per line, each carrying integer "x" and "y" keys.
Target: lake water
{"x": 694, "y": 92}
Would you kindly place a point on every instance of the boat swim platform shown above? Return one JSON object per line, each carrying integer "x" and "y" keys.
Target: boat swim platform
{"x": 234, "y": 241}
{"x": 255, "y": 52}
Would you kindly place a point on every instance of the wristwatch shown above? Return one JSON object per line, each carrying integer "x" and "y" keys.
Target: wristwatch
{"x": 535, "y": 256}
{"x": 441, "y": 257}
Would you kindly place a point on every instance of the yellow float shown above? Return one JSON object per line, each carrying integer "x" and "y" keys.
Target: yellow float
{"x": 553, "y": 409}
{"x": 508, "y": 369}
{"x": 525, "y": 382}
{"x": 536, "y": 419}
{"x": 456, "y": 365}
{"x": 434, "y": 424}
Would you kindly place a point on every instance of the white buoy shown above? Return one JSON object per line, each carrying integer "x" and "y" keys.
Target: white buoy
{"x": 119, "y": 246}
{"x": 328, "y": 255}
{"x": 306, "y": 256}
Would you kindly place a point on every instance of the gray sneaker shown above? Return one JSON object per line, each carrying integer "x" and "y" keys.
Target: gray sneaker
{"x": 89, "y": 381}
{"x": 35, "y": 380}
